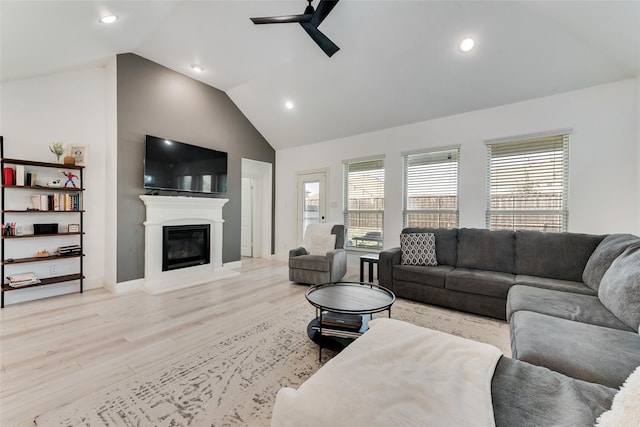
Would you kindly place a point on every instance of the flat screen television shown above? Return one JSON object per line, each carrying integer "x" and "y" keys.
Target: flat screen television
{"x": 176, "y": 166}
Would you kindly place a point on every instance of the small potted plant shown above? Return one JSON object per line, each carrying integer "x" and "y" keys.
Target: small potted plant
{"x": 57, "y": 149}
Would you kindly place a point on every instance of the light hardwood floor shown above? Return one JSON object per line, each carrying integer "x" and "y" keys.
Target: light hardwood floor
{"x": 56, "y": 350}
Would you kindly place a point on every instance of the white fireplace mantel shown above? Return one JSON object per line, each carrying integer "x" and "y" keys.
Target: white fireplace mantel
{"x": 171, "y": 210}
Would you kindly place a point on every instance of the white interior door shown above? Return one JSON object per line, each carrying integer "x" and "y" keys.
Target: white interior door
{"x": 312, "y": 199}
{"x": 260, "y": 174}
{"x": 246, "y": 218}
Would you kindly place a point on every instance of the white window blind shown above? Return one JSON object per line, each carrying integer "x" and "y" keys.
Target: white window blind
{"x": 527, "y": 184}
{"x": 364, "y": 203}
{"x": 430, "y": 189}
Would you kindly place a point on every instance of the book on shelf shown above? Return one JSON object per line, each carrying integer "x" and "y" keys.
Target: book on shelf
{"x": 21, "y": 276}
{"x": 56, "y": 202}
{"x": 8, "y": 176}
{"x": 20, "y": 175}
{"x": 69, "y": 250}
{"x": 24, "y": 283}
{"x": 44, "y": 202}
{"x": 347, "y": 322}
{"x": 30, "y": 179}
{"x": 23, "y": 279}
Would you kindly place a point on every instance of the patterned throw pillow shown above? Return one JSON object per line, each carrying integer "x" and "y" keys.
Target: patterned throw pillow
{"x": 418, "y": 249}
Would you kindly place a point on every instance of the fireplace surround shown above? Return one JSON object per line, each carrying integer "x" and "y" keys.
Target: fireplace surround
{"x": 174, "y": 211}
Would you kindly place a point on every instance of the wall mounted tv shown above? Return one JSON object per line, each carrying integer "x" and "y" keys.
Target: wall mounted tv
{"x": 176, "y": 166}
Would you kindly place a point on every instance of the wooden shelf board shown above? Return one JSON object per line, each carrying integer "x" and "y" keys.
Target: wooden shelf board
{"x": 44, "y": 188}
{"x": 47, "y": 281}
{"x": 41, "y": 164}
{"x": 40, "y": 212}
{"x": 27, "y": 236}
{"x": 40, "y": 259}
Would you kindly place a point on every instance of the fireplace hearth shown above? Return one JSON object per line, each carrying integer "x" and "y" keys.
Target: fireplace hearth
{"x": 185, "y": 246}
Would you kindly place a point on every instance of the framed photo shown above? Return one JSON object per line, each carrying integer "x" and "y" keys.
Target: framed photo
{"x": 79, "y": 152}
{"x": 73, "y": 228}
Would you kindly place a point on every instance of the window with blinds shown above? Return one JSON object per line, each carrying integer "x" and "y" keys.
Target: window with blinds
{"x": 527, "y": 184}
{"x": 364, "y": 203}
{"x": 430, "y": 189}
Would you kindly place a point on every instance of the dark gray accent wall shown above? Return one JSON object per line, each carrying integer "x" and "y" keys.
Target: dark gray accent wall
{"x": 158, "y": 101}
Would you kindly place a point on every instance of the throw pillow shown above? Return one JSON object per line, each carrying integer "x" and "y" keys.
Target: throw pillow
{"x": 620, "y": 287}
{"x": 316, "y": 229}
{"x": 321, "y": 244}
{"x": 418, "y": 249}
{"x": 625, "y": 409}
{"x": 600, "y": 260}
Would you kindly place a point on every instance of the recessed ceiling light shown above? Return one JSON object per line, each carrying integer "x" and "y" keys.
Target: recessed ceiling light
{"x": 467, "y": 44}
{"x": 197, "y": 68}
{"x": 109, "y": 19}
{"x": 288, "y": 105}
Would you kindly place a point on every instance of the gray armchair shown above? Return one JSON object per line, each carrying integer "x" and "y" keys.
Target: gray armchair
{"x": 315, "y": 269}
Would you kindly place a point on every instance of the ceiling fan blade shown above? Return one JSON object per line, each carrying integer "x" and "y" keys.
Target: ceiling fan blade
{"x": 285, "y": 19}
{"x": 323, "y": 9}
{"x": 323, "y": 41}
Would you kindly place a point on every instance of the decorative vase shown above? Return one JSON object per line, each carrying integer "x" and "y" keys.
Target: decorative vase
{"x": 69, "y": 160}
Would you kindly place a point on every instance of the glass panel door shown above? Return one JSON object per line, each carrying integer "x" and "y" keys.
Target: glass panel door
{"x": 311, "y": 201}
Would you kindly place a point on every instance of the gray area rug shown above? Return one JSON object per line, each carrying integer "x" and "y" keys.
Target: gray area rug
{"x": 233, "y": 381}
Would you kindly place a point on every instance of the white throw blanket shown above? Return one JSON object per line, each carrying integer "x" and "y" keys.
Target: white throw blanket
{"x": 396, "y": 374}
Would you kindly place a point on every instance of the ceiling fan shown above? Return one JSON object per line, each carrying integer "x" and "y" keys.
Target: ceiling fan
{"x": 309, "y": 20}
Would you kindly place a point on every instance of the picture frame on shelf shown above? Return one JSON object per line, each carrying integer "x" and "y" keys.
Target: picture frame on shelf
{"x": 73, "y": 228}
{"x": 79, "y": 152}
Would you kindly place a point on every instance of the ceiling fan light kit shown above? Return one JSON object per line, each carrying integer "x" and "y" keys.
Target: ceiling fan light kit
{"x": 309, "y": 21}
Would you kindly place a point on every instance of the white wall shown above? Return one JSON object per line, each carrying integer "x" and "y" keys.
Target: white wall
{"x": 70, "y": 107}
{"x": 111, "y": 170}
{"x": 603, "y": 170}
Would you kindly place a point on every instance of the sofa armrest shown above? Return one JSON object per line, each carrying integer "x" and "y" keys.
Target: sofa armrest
{"x": 297, "y": 252}
{"x": 337, "y": 263}
{"x": 336, "y": 253}
{"x": 386, "y": 261}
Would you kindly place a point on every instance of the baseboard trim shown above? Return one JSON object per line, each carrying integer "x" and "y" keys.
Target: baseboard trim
{"x": 128, "y": 286}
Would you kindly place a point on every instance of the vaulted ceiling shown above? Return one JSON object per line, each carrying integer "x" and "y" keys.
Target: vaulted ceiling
{"x": 398, "y": 61}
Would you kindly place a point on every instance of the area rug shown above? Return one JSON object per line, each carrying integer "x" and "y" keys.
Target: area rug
{"x": 233, "y": 381}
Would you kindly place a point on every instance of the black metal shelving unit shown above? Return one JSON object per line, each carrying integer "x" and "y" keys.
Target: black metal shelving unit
{"x": 5, "y": 261}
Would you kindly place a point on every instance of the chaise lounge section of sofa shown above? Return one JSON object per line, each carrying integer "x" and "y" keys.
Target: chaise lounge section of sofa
{"x": 590, "y": 337}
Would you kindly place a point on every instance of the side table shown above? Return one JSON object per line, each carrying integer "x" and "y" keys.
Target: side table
{"x": 370, "y": 259}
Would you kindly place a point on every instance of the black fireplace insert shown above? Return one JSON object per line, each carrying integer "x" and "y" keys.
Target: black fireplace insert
{"x": 185, "y": 246}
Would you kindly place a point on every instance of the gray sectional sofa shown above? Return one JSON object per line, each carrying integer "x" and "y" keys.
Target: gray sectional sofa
{"x": 572, "y": 300}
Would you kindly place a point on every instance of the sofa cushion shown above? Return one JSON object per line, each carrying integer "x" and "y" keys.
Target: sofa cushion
{"x": 587, "y": 352}
{"x": 555, "y": 255}
{"x": 526, "y": 395}
{"x": 310, "y": 262}
{"x": 606, "y": 252}
{"x": 446, "y": 243}
{"x": 555, "y": 284}
{"x": 481, "y": 282}
{"x": 418, "y": 249}
{"x": 566, "y": 305}
{"x": 423, "y": 275}
{"x": 486, "y": 250}
{"x": 620, "y": 287}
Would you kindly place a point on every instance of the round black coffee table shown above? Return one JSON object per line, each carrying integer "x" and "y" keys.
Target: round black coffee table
{"x": 343, "y": 311}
